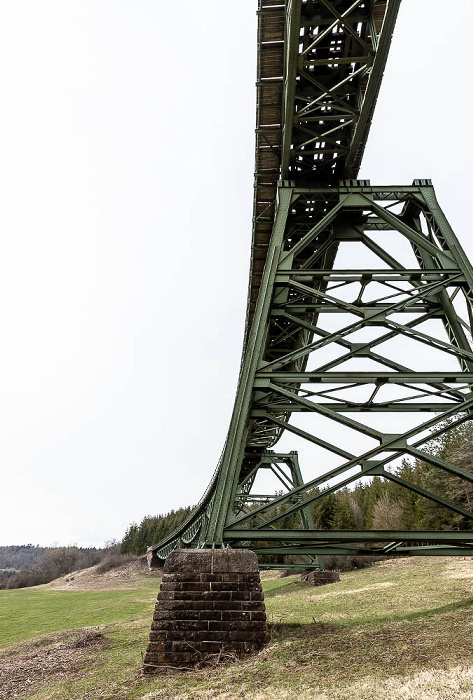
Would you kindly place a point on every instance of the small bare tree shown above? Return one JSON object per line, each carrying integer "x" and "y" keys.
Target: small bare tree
{"x": 387, "y": 514}
{"x": 58, "y": 562}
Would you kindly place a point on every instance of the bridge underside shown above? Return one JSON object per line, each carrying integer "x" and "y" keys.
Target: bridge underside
{"x": 320, "y": 67}
{"x": 357, "y": 346}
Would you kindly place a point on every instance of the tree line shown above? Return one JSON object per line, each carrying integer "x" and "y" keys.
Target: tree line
{"x": 152, "y": 529}
{"x": 29, "y": 565}
{"x": 375, "y": 503}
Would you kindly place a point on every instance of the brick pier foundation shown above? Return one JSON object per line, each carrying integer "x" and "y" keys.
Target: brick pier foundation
{"x": 210, "y": 602}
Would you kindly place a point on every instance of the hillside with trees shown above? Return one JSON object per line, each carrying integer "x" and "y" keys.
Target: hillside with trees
{"x": 152, "y": 529}
{"x": 30, "y": 565}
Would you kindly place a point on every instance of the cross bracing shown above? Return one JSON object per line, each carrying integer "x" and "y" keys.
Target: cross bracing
{"x": 358, "y": 340}
{"x": 329, "y": 342}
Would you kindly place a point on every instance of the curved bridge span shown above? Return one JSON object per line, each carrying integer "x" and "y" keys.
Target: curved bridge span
{"x": 327, "y": 330}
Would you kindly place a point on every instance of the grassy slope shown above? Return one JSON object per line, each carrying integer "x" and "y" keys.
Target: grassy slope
{"x": 40, "y": 610}
{"x": 397, "y": 630}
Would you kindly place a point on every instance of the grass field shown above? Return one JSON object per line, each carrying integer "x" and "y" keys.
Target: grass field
{"x": 401, "y": 629}
{"x": 42, "y": 610}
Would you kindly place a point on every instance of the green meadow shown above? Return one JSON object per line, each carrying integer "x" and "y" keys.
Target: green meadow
{"x": 30, "y": 612}
{"x": 400, "y": 629}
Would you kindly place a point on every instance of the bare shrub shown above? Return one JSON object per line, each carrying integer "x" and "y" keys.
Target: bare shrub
{"x": 88, "y": 557}
{"x": 85, "y": 638}
{"x": 113, "y": 560}
{"x": 57, "y": 562}
{"x": 388, "y": 514}
{"x": 349, "y": 563}
{"x": 358, "y": 515}
{"x": 24, "y": 579}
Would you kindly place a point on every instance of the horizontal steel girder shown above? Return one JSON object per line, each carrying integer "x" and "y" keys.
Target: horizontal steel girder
{"x": 315, "y": 550}
{"x": 364, "y": 377}
{"x": 432, "y": 536}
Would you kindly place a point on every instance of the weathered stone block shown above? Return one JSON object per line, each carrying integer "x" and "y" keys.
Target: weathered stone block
{"x": 210, "y": 602}
{"x": 211, "y": 578}
{"x": 212, "y": 561}
{"x": 227, "y": 605}
{"x": 211, "y": 615}
{"x": 258, "y": 615}
{"x": 237, "y": 615}
{"x": 321, "y": 578}
{"x": 218, "y": 625}
{"x": 252, "y": 605}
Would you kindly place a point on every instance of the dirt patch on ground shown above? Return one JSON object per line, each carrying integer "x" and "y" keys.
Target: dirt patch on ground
{"x": 463, "y": 568}
{"x": 126, "y": 576}
{"x": 46, "y": 659}
{"x": 370, "y": 587}
{"x": 270, "y": 574}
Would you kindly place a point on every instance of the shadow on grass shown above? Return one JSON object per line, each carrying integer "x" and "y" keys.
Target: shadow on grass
{"x": 450, "y": 607}
{"x": 287, "y": 588}
{"x": 280, "y": 629}
{"x": 398, "y": 646}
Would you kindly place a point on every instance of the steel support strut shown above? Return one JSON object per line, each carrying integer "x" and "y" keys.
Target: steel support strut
{"x": 328, "y": 341}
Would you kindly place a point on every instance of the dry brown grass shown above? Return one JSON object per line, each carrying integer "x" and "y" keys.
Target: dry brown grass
{"x": 46, "y": 660}
{"x": 125, "y": 575}
{"x": 401, "y": 630}
{"x": 435, "y": 684}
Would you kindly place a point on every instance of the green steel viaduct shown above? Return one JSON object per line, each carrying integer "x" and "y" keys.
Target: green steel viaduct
{"x": 359, "y": 316}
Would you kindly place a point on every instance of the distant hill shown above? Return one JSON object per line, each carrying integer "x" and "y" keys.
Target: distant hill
{"x": 29, "y": 565}
{"x": 23, "y": 556}
{"x": 20, "y": 556}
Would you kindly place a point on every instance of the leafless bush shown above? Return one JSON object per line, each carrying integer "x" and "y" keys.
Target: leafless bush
{"x": 89, "y": 557}
{"x": 388, "y": 514}
{"x": 348, "y": 562}
{"x": 24, "y": 579}
{"x": 112, "y": 560}
{"x": 86, "y": 638}
{"x": 53, "y": 564}
{"x": 57, "y": 562}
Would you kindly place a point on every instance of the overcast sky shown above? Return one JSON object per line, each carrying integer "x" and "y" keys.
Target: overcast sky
{"x": 127, "y": 148}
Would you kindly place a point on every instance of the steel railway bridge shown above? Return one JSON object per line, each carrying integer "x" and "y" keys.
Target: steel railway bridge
{"x": 359, "y": 317}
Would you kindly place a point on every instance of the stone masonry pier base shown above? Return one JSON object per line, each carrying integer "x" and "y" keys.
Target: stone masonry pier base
{"x": 210, "y": 602}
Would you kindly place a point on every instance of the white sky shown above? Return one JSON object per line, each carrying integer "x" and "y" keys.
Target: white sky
{"x": 126, "y": 161}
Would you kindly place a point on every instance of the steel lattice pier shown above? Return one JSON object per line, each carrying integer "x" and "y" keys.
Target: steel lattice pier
{"x": 358, "y": 333}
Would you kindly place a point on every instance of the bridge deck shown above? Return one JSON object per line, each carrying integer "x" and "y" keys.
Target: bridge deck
{"x": 320, "y": 66}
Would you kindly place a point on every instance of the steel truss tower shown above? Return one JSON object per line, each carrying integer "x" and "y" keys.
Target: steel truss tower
{"x": 359, "y": 340}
